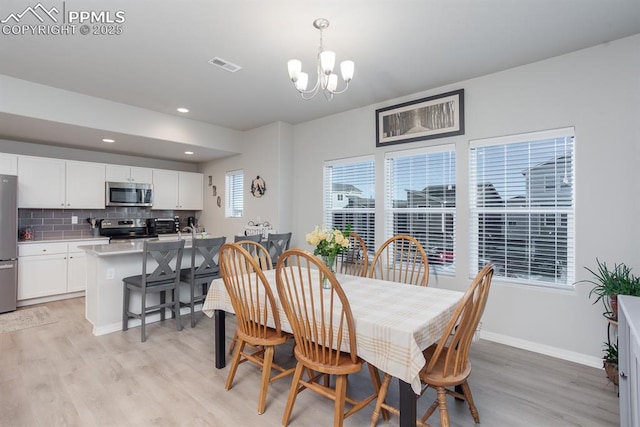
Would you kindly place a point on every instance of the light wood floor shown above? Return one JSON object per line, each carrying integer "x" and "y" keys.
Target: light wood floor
{"x": 61, "y": 375}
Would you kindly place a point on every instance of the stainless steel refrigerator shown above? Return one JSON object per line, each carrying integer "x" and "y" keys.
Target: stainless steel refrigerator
{"x": 8, "y": 242}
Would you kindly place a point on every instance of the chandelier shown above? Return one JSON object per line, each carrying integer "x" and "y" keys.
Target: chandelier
{"x": 327, "y": 80}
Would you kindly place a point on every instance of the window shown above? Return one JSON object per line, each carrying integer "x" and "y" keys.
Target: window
{"x": 420, "y": 200}
{"x": 234, "y": 206}
{"x": 522, "y": 207}
{"x": 349, "y": 197}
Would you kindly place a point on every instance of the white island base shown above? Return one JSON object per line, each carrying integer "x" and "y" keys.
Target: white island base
{"x": 107, "y": 265}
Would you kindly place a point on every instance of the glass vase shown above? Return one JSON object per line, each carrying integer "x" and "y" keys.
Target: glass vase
{"x": 329, "y": 261}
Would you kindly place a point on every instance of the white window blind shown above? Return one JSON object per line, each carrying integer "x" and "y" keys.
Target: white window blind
{"x": 349, "y": 197}
{"x": 420, "y": 201}
{"x": 234, "y": 205}
{"x": 522, "y": 207}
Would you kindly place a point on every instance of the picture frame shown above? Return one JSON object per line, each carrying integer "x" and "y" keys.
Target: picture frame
{"x": 437, "y": 116}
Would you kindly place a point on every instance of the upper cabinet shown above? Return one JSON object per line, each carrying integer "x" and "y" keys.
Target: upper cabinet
{"x": 117, "y": 173}
{"x": 8, "y": 164}
{"x": 59, "y": 184}
{"x": 173, "y": 190}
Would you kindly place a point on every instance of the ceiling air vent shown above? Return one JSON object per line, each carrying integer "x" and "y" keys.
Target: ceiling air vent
{"x": 224, "y": 64}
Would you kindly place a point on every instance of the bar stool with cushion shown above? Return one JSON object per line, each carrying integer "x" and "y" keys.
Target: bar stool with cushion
{"x": 322, "y": 325}
{"x": 401, "y": 259}
{"x": 201, "y": 275}
{"x": 447, "y": 362}
{"x": 162, "y": 279}
{"x": 277, "y": 244}
{"x": 253, "y": 303}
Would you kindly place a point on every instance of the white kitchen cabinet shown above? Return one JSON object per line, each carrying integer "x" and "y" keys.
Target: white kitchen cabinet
{"x": 173, "y": 190}
{"x": 629, "y": 359}
{"x": 42, "y": 270}
{"x": 41, "y": 182}
{"x": 118, "y": 173}
{"x": 59, "y": 184}
{"x": 85, "y": 185}
{"x": 46, "y": 269}
{"x": 8, "y": 164}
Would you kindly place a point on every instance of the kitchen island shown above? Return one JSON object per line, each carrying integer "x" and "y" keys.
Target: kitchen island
{"x": 107, "y": 265}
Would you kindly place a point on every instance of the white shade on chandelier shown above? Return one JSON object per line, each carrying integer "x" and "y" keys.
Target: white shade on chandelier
{"x": 327, "y": 80}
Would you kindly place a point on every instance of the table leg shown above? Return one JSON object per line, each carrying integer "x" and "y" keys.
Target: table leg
{"x": 219, "y": 338}
{"x": 407, "y": 405}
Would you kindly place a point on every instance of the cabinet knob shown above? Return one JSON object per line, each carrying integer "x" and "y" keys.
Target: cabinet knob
{"x": 622, "y": 374}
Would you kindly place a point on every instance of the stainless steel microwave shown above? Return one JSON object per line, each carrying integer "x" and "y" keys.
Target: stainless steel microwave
{"x": 129, "y": 194}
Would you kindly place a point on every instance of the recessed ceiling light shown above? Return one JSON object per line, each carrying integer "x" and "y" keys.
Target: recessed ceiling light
{"x": 188, "y": 152}
{"x": 183, "y": 110}
{"x": 108, "y": 140}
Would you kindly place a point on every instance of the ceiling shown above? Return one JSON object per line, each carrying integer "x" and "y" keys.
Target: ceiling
{"x": 159, "y": 62}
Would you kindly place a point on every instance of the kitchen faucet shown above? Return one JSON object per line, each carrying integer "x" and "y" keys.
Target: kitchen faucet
{"x": 191, "y": 229}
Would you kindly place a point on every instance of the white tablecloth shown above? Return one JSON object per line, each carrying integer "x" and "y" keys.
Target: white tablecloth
{"x": 394, "y": 322}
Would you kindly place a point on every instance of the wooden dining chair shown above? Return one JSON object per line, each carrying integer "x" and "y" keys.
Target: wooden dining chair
{"x": 204, "y": 268}
{"x": 447, "y": 362}
{"x": 261, "y": 256}
{"x": 253, "y": 303}
{"x": 355, "y": 261}
{"x": 401, "y": 259}
{"x": 324, "y": 333}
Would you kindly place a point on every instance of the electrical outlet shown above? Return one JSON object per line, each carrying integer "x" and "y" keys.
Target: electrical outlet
{"x": 74, "y": 219}
{"x": 111, "y": 273}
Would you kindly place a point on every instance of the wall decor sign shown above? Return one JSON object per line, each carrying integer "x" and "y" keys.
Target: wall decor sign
{"x": 436, "y": 116}
{"x": 258, "y": 187}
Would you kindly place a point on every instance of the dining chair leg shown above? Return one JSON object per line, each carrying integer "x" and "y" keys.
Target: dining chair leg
{"x": 466, "y": 390}
{"x": 163, "y": 301}
{"x": 293, "y": 393}
{"x": 176, "y": 308}
{"x": 266, "y": 374}
{"x": 442, "y": 406}
{"x": 341, "y": 394}
{"x": 234, "y": 365}
{"x": 382, "y": 395}
{"x": 143, "y": 316}
{"x": 192, "y": 306}
{"x": 375, "y": 379}
{"x": 125, "y": 307}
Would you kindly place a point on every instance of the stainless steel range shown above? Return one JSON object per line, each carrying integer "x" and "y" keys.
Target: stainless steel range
{"x": 124, "y": 230}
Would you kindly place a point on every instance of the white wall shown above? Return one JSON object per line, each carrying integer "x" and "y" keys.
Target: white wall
{"x": 266, "y": 151}
{"x": 597, "y": 90}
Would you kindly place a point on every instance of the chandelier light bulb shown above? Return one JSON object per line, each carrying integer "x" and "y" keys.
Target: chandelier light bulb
{"x": 326, "y": 79}
{"x": 295, "y": 67}
{"x": 327, "y": 61}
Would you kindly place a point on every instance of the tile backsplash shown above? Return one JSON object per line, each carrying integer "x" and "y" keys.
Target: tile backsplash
{"x": 55, "y": 224}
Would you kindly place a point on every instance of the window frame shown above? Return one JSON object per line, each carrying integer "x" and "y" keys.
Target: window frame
{"x": 327, "y": 196}
{"x": 543, "y": 213}
{"x": 447, "y": 259}
{"x": 234, "y": 194}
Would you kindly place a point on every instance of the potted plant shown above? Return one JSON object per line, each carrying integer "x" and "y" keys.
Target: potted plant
{"x": 610, "y": 361}
{"x": 609, "y": 283}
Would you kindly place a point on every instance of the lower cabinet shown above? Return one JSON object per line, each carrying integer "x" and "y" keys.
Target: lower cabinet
{"x": 46, "y": 269}
{"x": 629, "y": 359}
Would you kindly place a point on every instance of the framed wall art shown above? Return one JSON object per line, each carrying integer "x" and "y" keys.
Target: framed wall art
{"x": 436, "y": 116}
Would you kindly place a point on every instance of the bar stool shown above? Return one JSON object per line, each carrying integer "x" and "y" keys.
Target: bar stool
{"x": 201, "y": 275}
{"x": 162, "y": 279}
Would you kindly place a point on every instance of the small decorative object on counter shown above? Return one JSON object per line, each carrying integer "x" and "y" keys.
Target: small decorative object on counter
{"x": 328, "y": 243}
{"x": 26, "y": 233}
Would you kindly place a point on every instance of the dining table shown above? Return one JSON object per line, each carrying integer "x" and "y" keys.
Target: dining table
{"x": 394, "y": 323}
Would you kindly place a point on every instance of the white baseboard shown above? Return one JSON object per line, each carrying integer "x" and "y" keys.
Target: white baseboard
{"x": 559, "y": 353}
{"x": 185, "y": 313}
{"x": 42, "y": 300}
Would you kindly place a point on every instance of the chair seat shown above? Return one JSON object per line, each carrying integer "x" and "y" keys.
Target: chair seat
{"x": 270, "y": 337}
{"x": 436, "y": 377}
{"x": 186, "y": 275}
{"x": 344, "y": 366}
{"x": 137, "y": 281}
